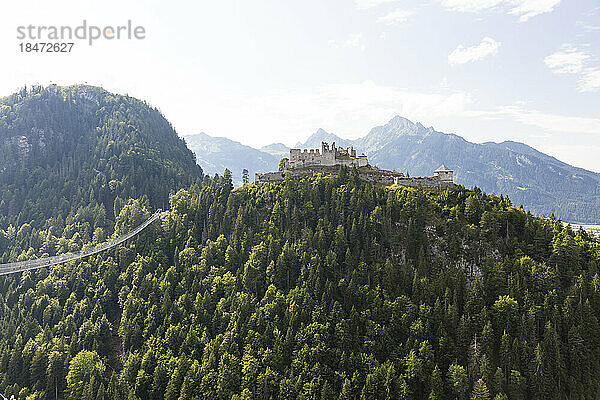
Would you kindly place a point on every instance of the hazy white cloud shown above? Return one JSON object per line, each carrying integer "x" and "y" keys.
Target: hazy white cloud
{"x": 396, "y": 16}
{"x": 591, "y": 28}
{"x": 547, "y": 121}
{"x": 470, "y": 5}
{"x": 356, "y": 40}
{"x": 463, "y": 55}
{"x": 364, "y": 4}
{"x": 554, "y": 122}
{"x": 589, "y": 80}
{"x": 570, "y": 60}
{"x": 524, "y": 9}
{"x": 349, "y": 109}
{"x": 567, "y": 61}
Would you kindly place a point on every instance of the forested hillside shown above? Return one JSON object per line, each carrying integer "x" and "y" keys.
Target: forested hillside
{"x": 75, "y": 149}
{"x": 315, "y": 288}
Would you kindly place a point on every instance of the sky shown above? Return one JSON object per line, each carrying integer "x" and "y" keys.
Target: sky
{"x": 266, "y": 71}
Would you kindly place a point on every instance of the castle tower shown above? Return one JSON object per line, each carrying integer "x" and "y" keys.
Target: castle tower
{"x": 445, "y": 174}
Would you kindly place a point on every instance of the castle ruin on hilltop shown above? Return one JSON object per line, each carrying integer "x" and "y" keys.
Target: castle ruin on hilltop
{"x": 326, "y": 157}
{"x": 328, "y": 160}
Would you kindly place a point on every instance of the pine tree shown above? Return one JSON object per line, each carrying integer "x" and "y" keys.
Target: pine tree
{"x": 346, "y": 393}
{"x": 436, "y": 384}
{"x": 457, "y": 377}
{"x": 480, "y": 391}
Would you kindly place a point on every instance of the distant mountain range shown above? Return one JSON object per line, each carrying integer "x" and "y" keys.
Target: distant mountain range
{"x": 279, "y": 150}
{"x": 540, "y": 182}
{"x": 214, "y": 154}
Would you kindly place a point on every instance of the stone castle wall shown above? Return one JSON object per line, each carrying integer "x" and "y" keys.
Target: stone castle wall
{"x": 380, "y": 177}
{"x": 325, "y": 157}
{"x": 269, "y": 177}
{"x": 299, "y": 159}
{"x": 326, "y": 161}
{"x": 429, "y": 182}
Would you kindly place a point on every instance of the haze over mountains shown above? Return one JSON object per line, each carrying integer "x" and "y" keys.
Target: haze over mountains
{"x": 540, "y": 182}
{"x": 214, "y": 154}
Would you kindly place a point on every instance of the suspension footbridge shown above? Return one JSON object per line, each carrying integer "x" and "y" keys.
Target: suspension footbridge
{"x": 21, "y": 266}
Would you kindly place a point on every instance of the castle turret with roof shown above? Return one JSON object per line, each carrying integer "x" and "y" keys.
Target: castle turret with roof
{"x": 445, "y": 173}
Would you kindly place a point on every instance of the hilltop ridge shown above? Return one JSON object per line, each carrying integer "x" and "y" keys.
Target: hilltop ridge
{"x": 62, "y": 148}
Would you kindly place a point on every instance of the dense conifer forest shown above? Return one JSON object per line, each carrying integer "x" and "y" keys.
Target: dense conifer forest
{"x": 76, "y": 149}
{"x": 315, "y": 288}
